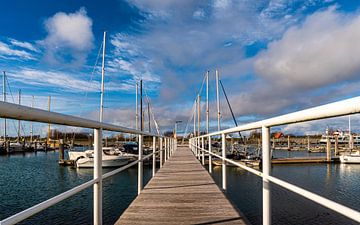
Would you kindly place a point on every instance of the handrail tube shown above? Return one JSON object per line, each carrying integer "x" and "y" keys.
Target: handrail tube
{"x": 335, "y": 109}
{"x": 251, "y": 170}
{"x": 46, "y": 204}
{"x": 111, "y": 173}
{"x": 344, "y": 210}
{"x": 20, "y": 112}
{"x": 58, "y": 198}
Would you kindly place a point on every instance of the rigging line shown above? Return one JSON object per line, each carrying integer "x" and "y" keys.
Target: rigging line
{"x": 187, "y": 123}
{"x": 152, "y": 112}
{"x": 231, "y": 111}
{"x": 91, "y": 78}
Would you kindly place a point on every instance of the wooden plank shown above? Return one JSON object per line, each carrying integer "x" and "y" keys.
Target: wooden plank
{"x": 182, "y": 192}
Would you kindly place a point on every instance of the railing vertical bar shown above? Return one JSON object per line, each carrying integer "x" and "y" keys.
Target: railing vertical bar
{"x": 140, "y": 168}
{"x": 98, "y": 175}
{"x": 266, "y": 167}
{"x": 223, "y": 146}
{"x": 154, "y": 157}
{"x": 210, "y": 157}
{"x": 165, "y": 147}
{"x": 203, "y": 152}
{"x": 161, "y": 152}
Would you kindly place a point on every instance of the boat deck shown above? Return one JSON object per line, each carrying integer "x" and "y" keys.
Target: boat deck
{"x": 182, "y": 192}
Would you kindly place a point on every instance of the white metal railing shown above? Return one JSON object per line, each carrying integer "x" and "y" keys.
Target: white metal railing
{"x": 13, "y": 111}
{"x": 340, "y": 108}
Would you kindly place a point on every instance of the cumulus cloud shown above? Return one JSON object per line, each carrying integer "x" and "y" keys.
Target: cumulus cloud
{"x": 69, "y": 38}
{"x": 319, "y": 52}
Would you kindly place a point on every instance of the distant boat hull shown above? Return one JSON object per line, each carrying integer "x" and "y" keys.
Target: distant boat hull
{"x": 350, "y": 159}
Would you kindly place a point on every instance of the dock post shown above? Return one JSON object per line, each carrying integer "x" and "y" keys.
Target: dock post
{"x": 223, "y": 146}
{"x": 308, "y": 143}
{"x": 210, "y": 158}
{"x": 289, "y": 142}
{"x": 154, "y": 156}
{"x": 165, "y": 148}
{"x": 61, "y": 150}
{"x": 161, "y": 152}
{"x": 140, "y": 169}
{"x": 98, "y": 176}
{"x": 203, "y": 152}
{"x": 328, "y": 146}
{"x": 336, "y": 150}
{"x": 266, "y": 167}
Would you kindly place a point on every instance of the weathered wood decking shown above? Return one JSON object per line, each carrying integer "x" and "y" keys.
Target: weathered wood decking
{"x": 182, "y": 192}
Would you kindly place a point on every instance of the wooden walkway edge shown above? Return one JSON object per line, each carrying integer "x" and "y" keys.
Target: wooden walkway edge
{"x": 182, "y": 192}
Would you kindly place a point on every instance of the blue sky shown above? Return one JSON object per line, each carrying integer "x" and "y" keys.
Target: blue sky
{"x": 274, "y": 56}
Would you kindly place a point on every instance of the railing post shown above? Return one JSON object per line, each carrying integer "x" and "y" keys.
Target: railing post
{"x": 98, "y": 175}
{"x": 161, "y": 152}
{"x": 198, "y": 148}
{"x": 210, "y": 158}
{"x": 140, "y": 169}
{"x": 203, "y": 152}
{"x": 266, "y": 167}
{"x": 223, "y": 146}
{"x": 154, "y": 157}
{"x": 165, "y": 148}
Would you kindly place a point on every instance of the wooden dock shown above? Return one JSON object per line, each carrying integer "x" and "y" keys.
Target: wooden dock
{"x": 182, "y": 192}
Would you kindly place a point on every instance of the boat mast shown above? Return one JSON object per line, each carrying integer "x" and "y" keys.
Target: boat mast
{"x": 218, "y": 98}
{"x": 4, "y": 100}
{"x": 31, "y": 124}
{"x": 102, "y": 80}
{"x": 199, "y": 102}
{"x": 141, "y": 107}
{"x": 148, "y": 103}
{"x": 49, "y": 128}
{"x": 207, "y": 102}
{"x": 136, "y": 108}
{"x": 19, "y": 121}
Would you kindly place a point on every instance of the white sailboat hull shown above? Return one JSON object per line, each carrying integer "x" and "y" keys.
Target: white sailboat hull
{"x": 89, "y": 162}
{"x": 350, "y": 159}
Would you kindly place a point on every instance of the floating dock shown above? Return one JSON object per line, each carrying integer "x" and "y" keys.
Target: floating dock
{"x": 182, "y": 192}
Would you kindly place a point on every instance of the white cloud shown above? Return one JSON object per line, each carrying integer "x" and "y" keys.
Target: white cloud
{"x": 24, "y": 44}
{"x": 319, "y": 52}
{"x": 69, "y": 38}
{"x": 6, "y": 50}
{"x": 67, "y": 81}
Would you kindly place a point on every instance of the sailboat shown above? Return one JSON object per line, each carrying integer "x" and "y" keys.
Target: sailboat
{"x": 350, "y": 157}
{"x": 111, "y": 157}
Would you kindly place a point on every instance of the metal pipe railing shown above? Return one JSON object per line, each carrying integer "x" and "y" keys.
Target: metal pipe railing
{"x": 340, "y": 108}
{"x": 14, "y": 111}
{"x": 344, "y": 210}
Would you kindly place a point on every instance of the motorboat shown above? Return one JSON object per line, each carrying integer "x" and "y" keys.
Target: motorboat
{"x": 111, "y": 157}
{"x": 350, "y": 158}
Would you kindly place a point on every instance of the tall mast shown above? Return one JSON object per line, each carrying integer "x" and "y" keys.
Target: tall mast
{"x": 102, "y": 80}
{"x": 49, "y": 103}
{"x": 217, "y": 98}
{"x": 141, "y": 107}
{"x": 31, "y": 124}
{"x": 199, "y": 113}
{"x": 149, "y": 117}
{"x": 136, "y": 108}
{"x": 19, "y": 121}
{"x": 207, "y": 102}
{"x": 4, "y": 100}
{"x": 195, "y": 117}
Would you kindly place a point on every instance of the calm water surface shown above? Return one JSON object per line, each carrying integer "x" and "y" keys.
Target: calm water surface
{"x": 29, "y": 179}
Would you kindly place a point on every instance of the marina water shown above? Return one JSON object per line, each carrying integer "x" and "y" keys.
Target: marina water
{"x": 28, "y": 179}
